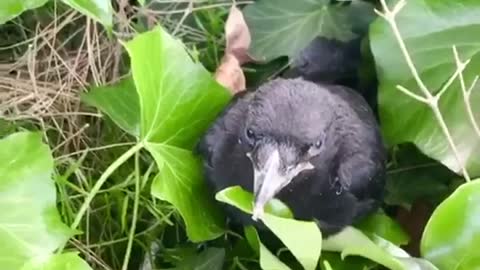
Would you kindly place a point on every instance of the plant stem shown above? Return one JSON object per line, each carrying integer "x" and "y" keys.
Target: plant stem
{"x": 445, "y": 130}
{"x": 102, "y": 180}
{"x": 389, "y": 16}
{"x": 466, "y": 99}
{"x": 466, "y": 93}
{"x": 135, "y": 214}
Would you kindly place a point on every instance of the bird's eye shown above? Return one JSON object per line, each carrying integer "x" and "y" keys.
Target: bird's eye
{"x": 318, "y": 144}
{"x": 250, "y": 134}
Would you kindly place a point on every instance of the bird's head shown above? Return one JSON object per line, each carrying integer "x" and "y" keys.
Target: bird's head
{"x": 288, "y": 130}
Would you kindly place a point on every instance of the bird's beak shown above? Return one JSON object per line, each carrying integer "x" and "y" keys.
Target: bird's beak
{"x": 271, "y": 178}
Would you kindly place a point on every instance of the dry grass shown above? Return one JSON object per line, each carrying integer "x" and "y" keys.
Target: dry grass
{"x": 64, "y": 57}
{"x": 43, "y": 84}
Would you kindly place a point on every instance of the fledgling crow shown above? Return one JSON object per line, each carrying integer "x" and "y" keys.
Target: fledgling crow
{"x": 315, "y": 147}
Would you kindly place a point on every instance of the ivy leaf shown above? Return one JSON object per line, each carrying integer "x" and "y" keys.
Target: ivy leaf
{"x": 385, "y": 227}
{"x": 32, "y": 229}
{"x": 302, "y": 238}
{"x": 180, "y": 183}
{"x": 120, "y": 102}
{"x": 414, "y": 176}
{"x": 64, "y": 261}
{"x": 407, "y": 120}
{"x": 284, "y": 27}
{"x": 243, "y": 200}
{"x": 348, "y": 263}
{"x": 268, "y": 261}
{"x": 209, "y": 259}
{"x": 407, "y": 261}
{"x": 178, "y": 101}
{"x": 451, "y": 236}
{"x": 10, "y": 9}
{"x": 352, "y": 241}
{"x": 99, "y": 10}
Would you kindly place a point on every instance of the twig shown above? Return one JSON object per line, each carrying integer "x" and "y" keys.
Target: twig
{"x": 427, "y": 98}
{"x": 187, "y": 12}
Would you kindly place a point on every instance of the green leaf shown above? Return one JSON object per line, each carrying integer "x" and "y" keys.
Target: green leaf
{"x": 284, "y": 27}
{"x": 99, "y": 10}
{"x": 30, "y": 227}
{"x": 385, "y": 227}
{"x": 10, "y": 9}
{"x": 209, "y": 259}
{"x": 180, "y": 183}
{"x": 407, "y": 120}
{"x": 302, "y": 238}
{"x": 65, "y": 261}
{"x": 178, "y": 97}
{"x": 450, "y": 239}
{"x": 351, "y": 241}
{"x": 403, "y": 257}
{"x": 414, "y": 176}
{"x": 119, "y": 102}
{"x": 348, "y": 263}
{"x": 243, "y": 200}
{"x": 178, "y": 101}
{"x": 268, "y": 261}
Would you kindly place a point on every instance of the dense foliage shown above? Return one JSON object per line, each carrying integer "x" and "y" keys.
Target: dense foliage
{"x": 120, "y": 186}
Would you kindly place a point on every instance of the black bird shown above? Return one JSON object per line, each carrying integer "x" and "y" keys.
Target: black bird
{"x": 316, "y": 147}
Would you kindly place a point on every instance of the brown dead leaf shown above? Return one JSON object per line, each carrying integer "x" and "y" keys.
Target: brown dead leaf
{"x": 230, "y": 74}
{"x": 237, "y": 35}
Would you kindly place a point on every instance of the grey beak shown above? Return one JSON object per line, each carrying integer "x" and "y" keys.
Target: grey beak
{"x": 271, "y": 178}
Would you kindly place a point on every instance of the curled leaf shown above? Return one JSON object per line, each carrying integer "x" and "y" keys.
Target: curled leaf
{"x": 230, "y": 74}
{"x": 237, "y": 36}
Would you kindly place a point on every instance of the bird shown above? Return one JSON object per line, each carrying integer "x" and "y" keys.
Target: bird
{"x": 316, "y": 147}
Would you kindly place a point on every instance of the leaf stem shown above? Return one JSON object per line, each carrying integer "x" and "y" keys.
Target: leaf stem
{"x": 445, "y": 130}
{"x": 389, "y": 16}
{"x": 102, "y": 180}
{"x": 135, "y": 214}
{"x": 467, "y": 92}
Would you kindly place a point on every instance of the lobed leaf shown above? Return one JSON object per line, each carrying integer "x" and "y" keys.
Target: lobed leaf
{"x": 178, "y": 100}
{"x": 284, "y": 27}
{"x": 443, "y": 24}
{"x": 180, "y": 182}
{"x": 120, "y": 102}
